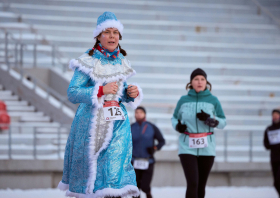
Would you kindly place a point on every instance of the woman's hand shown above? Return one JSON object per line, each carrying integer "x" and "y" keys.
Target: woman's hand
{"x": 110, "y": 88}
{"x": 202, "y": 116}
{"x": 181, "y": 128}
{"x": 132, "y": 91}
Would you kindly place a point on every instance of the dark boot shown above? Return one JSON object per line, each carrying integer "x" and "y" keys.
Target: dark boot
{"x": 149, "y": 195}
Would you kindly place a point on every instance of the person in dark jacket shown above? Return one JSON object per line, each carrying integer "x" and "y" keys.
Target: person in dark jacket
{"x": 272, "y": 142}
{"x": 144, "y": 135}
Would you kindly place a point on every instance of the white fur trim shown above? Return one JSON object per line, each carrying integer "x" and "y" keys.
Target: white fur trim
{"x": 126, "y": 191}
{"x": 138, "y": 99}
{"x": 94, "y": 156}
{"x": 108, "y": 24}
{"x": 73, "y": 64}
{"x": 62, "y": 186}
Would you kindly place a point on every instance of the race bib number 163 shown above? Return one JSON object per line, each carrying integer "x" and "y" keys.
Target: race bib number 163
{"x": 198, "y": 140}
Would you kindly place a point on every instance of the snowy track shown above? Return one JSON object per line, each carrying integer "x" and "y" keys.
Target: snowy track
{"x": 164, "y": 192}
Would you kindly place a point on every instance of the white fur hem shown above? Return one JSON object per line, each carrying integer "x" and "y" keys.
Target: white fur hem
{"x": 128, "y": 190}
{"x": 108, "y": 24}
{"x": 62, "y": 186}
{"x": 138, "y": 99}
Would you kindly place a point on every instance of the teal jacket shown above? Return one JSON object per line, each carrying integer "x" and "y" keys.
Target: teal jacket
{"x": 187, "y": 108}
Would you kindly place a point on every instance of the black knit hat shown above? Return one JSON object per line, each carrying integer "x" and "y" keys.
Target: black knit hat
{"x": 141, "y": 108}
{"x": 197, "y": 72}
{"x": 276, "y": 111}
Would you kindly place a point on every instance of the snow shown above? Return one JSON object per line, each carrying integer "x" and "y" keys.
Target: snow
{"x": 157, "y": 192}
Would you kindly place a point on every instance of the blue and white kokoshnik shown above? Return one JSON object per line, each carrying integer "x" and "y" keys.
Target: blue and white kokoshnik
{"x": 107, "y": 20}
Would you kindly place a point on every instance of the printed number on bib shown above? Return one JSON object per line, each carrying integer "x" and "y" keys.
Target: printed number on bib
{"x": 112, "y": 111}
{"x": 198, "y": 140}
{"x": 142, "y": 164}
{"x": 274, "y": 136}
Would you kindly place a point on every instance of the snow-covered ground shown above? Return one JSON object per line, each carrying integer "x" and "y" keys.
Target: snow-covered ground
{"x": 162, "y": 192}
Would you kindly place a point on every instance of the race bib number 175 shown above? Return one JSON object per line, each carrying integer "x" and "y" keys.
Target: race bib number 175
{"x": 112, "y": 111}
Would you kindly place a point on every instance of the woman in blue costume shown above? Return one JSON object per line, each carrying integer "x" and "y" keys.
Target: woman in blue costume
{"x": 97, "y": 161}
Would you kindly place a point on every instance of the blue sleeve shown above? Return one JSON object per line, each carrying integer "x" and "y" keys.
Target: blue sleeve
{"x": 175, "y": 117}
{"x": 78, "y": 91}
{"x": 220, "y": 116}
{"x": 125, "y": 97}
{"x": 158, "y": 136}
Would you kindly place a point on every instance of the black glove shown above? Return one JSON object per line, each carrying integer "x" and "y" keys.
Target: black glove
{"x": 202, "y": 116}
{"x": 211, "y": 122}
{"x": 181, "y": 128}
{"x": 151, "y": 150}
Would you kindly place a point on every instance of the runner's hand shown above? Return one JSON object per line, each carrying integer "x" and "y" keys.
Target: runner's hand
{"x": 202, "y": 116}
{"x": 211, "y": 122}
{"x": 132, "y": 91}
{"x": 181, "y": 128}
{"x": 110, "y": 88}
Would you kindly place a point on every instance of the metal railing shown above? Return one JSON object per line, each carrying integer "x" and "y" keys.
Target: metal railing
{"x": 19, "y": 46}
{"x": 17, "y": 64}
{"x": 34, "y": 135}
{"x": 58, "y": 136}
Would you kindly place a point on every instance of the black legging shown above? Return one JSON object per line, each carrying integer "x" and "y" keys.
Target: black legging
{"x": 276, "y": 175}
{"x": 144, "y": 178}
{"x": 196, "y": 171}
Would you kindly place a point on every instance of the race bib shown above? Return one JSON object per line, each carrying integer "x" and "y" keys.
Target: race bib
{"x": 198, "y": 140}
{"x": 112, "y": 111}
{"x": 274, "y": 136}
{"x": 142, "y": 164}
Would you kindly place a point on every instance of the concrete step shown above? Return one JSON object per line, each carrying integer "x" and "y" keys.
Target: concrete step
{"x": 43, "y": 130}
{"x": 222, "y": 69}
{"x": 8, "y": 98}
{"x": 227, "y": 2}
{"x": 25, "y": 114}
{"x": 34, "y": 124}
{"x": 20, "y": 108}
{"x": 6, "y": 92}
{"x": 28, "y": 140}
{"x": 233, "y": 120}
{"x": 27, "y": 150}
{"x": 154, "y": 5}
{"x": 186, "y": 46}
{"x": 217, "y": 89}
{"x": 224, "y": 79}
{"x": 87, "y": 12}
{"x": 156, "y": 25}
{"x": 232, "y": 100}
{"x": 238, "y": 109}
{"x": 190, "y": 57}
{"x": 16, "y": 103}
{"x": 35, "y": 119}
{"x": 8, "y": 17}
{"x": 86, "y": 32}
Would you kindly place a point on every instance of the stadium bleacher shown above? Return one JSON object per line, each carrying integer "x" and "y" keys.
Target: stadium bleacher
{"x": 165, "y": 40}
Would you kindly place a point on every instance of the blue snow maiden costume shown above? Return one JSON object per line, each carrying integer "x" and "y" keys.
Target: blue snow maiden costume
{"x": 97, "y": 161}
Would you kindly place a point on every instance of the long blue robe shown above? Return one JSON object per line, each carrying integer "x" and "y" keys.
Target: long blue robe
{"x": 97, "y": 160}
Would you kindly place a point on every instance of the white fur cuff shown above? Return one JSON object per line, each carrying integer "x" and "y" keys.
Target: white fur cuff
{"x": 138, "y": 99}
